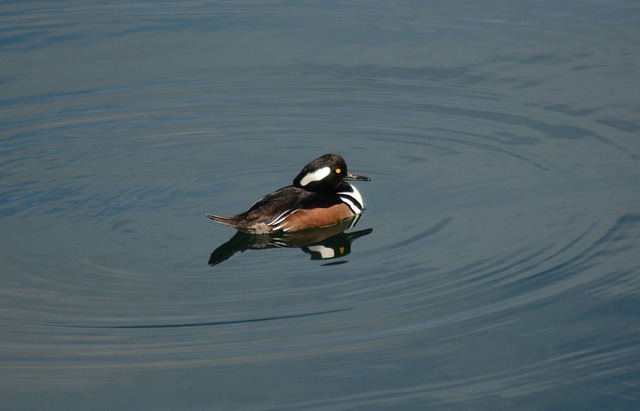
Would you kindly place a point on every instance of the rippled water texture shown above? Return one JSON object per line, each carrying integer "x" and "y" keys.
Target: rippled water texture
{"x": 495, "y": 266}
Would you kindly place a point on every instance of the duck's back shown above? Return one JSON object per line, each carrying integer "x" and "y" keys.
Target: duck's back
{"x": 288, "y": 209}
{"x": 269, "y": 207}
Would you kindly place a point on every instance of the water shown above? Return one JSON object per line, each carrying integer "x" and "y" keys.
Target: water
{"x": 498, "y": 266}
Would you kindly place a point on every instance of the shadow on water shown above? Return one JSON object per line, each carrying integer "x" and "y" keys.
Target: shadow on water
{"x": 322, "y": 244}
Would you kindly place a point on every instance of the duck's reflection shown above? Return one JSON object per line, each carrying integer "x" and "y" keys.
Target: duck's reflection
{"x": 321, "y": 243}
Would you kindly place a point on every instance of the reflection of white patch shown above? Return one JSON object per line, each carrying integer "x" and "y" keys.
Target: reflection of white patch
{"x": 325, "y": 252}
{"x": 317, "y": 175}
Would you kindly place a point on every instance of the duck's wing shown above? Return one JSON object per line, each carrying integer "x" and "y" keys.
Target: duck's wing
{"x": 263, "y": 211}
{"x": 276, "y": 206}
{"x": 279, "y": 204}
{"x": 270, "y": 213}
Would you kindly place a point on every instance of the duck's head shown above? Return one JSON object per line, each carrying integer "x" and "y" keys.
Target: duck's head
{"x": 325, "y": 174}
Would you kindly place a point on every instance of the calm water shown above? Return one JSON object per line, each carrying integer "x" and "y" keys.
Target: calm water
{"x": 496, "y": 265}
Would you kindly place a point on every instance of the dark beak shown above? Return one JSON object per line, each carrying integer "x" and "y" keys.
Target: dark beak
{"x": 355, "y": 177}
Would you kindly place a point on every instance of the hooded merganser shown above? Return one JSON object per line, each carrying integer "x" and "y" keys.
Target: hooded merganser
{"x": 319, "y": 197}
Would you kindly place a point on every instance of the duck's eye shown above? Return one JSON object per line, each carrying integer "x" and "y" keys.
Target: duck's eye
{"x": 338, "y": 171}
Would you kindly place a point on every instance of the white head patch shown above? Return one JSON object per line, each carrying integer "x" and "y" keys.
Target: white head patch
{"x": 317, "y": 175}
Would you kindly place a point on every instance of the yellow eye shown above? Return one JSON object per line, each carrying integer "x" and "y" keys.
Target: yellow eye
{"x": 338, "y": 171}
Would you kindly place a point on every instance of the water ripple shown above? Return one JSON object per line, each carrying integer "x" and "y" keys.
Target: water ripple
{"x": 501, "y": 271}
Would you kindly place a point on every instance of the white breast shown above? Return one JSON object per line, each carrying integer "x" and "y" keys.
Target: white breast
{"x": 353, "y": 199}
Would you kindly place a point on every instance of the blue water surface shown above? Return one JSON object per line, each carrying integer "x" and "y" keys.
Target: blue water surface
{"x": 496, "y": 264}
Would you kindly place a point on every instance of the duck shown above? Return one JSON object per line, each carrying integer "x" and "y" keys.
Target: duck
{"x": 320, "y": 196}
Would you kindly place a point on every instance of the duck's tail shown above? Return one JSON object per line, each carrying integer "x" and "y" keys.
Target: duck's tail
{"x": 230, "y": 221}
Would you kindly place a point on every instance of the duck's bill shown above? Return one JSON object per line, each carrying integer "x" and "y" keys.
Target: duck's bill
{"x": 355, "y": 177}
